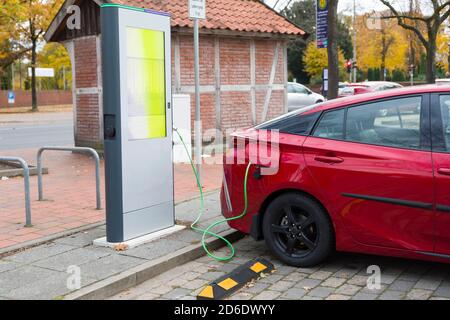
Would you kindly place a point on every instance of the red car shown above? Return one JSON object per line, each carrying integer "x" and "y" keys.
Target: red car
{"x": 349, "y": 176}
{"x": 352, "y": 89}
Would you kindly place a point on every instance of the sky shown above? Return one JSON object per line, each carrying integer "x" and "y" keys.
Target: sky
{"x": 362, "y": 6}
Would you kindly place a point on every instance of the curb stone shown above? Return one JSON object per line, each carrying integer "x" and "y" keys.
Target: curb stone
{"x": 135, "y": 276}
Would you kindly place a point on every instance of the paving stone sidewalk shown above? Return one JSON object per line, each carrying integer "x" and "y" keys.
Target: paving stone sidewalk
{"x": 342, "y": 278}
{"x": 42, "y": 272}
{"x": 69, "y": 191}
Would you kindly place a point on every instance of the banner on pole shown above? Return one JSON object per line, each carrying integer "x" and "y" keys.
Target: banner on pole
{"x": 322, "y": 23}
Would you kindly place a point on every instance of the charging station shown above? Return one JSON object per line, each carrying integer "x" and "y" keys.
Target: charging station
{"x": 137, "y": 122}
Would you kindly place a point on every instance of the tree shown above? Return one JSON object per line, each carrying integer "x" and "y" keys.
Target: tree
{"x": 333, "y": 52}
{"x": 414, "y": 21}
{"x": 54, "y": 55}
{"x": 303, "y": 13}
{"x": 380, "y": 47}
{"x": 10, "y": 47}
{"x": 442, "y": 53}
{"x": 315, "y": 60}
{"x": 28, "y": 20}
{"x": 344, "y": 39}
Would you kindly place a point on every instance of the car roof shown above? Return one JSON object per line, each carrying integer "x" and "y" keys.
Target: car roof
{"x": 379, "y": 82}
{"x": 367, "y": 97}
{"x": 372, "y": 84}
{"x": 354, "y": 85}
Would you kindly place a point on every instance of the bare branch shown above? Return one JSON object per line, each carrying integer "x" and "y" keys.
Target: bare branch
{"x": 407, "y": 17}
{"x": 403, "y": 24}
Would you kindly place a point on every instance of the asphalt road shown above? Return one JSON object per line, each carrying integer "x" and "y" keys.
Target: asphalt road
{"x": 22, "y": 131}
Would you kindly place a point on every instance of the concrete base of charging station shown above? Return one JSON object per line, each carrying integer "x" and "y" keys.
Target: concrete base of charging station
{"x": 102, "y": 242}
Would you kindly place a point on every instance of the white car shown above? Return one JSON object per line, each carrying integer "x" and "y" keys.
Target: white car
{"x": 300, "y": 96}
{"x": 443, "y": 81}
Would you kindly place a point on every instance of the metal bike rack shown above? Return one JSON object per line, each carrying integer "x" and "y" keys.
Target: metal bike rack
{"x": 26, "y": 176}
{"x": 73, "y": 149}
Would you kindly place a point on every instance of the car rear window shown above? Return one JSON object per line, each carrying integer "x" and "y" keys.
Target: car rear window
{"x": 292, "y": 123}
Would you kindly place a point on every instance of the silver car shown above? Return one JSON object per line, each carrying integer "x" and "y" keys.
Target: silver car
{"x": 300, "y": 96}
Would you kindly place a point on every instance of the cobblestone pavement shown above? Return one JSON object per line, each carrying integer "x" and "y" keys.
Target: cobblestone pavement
{"x": 344, "y": 277}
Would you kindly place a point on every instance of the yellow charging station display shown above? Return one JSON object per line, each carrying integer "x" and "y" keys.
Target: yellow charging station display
{"x": 146, "y": 84}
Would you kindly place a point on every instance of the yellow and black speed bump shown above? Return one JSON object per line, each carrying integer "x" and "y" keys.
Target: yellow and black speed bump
{"x": 235, "y": 280}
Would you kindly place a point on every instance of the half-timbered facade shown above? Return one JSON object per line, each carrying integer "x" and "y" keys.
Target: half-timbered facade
{"x": 243, "y": 61}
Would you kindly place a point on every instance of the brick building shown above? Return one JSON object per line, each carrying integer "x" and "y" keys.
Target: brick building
{"x": 243, "y": 61}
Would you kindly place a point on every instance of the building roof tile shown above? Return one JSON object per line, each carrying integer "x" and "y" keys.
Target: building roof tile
{"x": 234, "y": 15}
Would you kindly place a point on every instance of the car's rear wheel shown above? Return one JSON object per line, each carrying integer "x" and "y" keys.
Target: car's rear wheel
{"x": 298, "y": 230}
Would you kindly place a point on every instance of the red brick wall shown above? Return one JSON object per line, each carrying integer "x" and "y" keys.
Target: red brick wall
{"x": 87, "y": 104}
{"x": 236, "y": 110}
{"x": 87, "y": 122}
{"x": 235, "y": 70}
{"x": 86, "y": 62}
{"x": 45, "y": 98}
{"x": 234, "y": 61}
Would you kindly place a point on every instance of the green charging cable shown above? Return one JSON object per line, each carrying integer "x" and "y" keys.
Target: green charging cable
{"x": 207, "y": 231}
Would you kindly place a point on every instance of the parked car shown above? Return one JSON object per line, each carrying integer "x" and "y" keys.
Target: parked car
{"x": 350, "y": 178}
{"x": 445, "y": 81}
{"x": 300, "y": 96}
{"x": 365, "y": 87}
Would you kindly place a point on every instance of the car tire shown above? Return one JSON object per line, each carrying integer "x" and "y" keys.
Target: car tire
{"x": 308, "y": 243}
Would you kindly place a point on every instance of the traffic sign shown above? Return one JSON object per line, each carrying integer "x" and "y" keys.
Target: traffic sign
{"x": 43, "y": 72}
{"x": 197, "y": 9}
{"x": 11, "y": 97}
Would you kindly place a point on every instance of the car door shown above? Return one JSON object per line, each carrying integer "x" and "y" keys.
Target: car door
{"x": 292, "y": 97}
{"x": 310, "y": 98}
{"x": 374, "y": 169}
{"x": 440, "y": 124}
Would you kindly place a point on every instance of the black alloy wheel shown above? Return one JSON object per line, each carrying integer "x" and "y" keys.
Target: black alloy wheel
{"x": 298, "y": 230}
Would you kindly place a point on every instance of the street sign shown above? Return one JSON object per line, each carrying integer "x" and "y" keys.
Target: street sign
{"x": 43, "y": 72}
{"x": 325, "y": 82}
{"x": 11, "y": 97}
{"x": 197, "y": 9}
{"x": 322, "y": 23}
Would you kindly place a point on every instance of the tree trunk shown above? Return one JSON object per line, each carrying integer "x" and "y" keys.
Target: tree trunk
{"x": 34, "y": 103}
{"x": 431, "y": 57}
{"x": 333, "y": 57}
{"x": 448, "y": 62}
{"x": 383, "y": 54}
{"x": 431, "y": 65}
